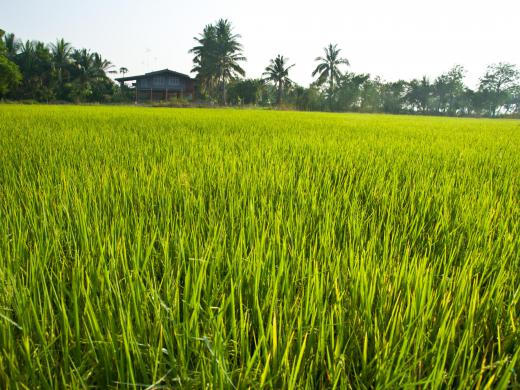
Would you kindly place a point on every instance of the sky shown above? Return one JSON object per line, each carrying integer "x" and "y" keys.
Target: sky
{"x": 393, "y": 39}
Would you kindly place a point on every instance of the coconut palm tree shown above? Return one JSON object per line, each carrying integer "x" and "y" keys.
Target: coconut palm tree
{"x": 204, "y": 62}
{"x": 102, "y": 65}
{"x": 60, "y": 53}
{"x": 34, "y": 61}
{"x": 84, "y": 73}
{"x": 12, "y": 46}
{"x": 123, "y": 70}
{"x": 229, "y": 53}
{"x": 217, "y": 57}
{"x": 328, "y": 68}
{"x": 278, "y": 73}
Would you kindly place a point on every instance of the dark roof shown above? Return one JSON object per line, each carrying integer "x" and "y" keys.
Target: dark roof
{"x": 163, "y": 71}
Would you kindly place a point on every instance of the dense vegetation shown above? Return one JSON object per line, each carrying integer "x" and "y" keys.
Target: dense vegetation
{"x": 263, "y": 249}
{"x": 217, "y": 64}
{"x": 54, "y": 72}
{"x": 58, "y": 72}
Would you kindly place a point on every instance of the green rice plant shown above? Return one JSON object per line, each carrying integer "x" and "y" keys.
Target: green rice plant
{"x": 193, "y": 248}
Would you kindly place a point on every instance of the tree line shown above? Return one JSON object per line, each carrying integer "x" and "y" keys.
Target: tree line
{"x": 52, "y": 72}
{"x": 218, "y": 55}
{"x": 35, "y": 71}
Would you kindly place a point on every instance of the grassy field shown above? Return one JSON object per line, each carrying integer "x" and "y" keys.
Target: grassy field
{"x": 234, "y": 249}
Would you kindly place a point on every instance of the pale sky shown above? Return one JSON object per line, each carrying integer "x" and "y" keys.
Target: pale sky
{"x": 390, "y": 38}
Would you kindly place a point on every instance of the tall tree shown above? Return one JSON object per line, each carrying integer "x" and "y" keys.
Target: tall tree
{"x": 448, "y": 90}
{"x": 348, "y": 93}
{"x": 60, "y": 52}
{"x": 498, "y": 84}
{"x": 34, "y": 61}
{"x": 393, "y": 96}
{"x": 90, "y": 81}
{"x": 418, "y": 94}
{"x": 277, "y": 72}
{"x": 102, "y": 65}
{"x": 123, "y": 70}
{"x": 328, "y": 69}
{"x": 229, "y": 53}
{"x": 217, "y": 58}
{"x": 204, "y": 62}
{"x": 10, "y": 75}
{"x": 11, "y": 45}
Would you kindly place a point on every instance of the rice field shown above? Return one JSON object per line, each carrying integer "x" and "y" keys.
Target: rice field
{"x": 191, "y": 248}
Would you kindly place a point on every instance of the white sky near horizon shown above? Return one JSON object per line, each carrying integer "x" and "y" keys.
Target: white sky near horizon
{"x": 391, "y": 39}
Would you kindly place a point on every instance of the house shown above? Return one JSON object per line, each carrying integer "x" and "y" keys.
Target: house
{"x": 161, "y": 85}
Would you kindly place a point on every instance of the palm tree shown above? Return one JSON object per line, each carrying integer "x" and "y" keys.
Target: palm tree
{"x": 84, "y": 74}
{"x": 217, "y": 57}
{"x": 204, "y": 62}
{"x": 12, "y": 45}
{"x": 123, "y": 70}
{"x": 328, "y": 68}
{"x": 278, "y": 73}
{"x": 34, "y": 61}
{"x": 229, "y": 53}
{"x": 102, "y": 65}
{"x": 60, "y": 52}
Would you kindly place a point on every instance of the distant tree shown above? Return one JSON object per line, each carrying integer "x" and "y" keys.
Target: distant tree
{"x": 11, "y": 45}
{"x": 217, "y": 58}
{"x": 123, "y": 71}
{"x": 419, "y": 94}
{"x": 497, "y": 85}
{"x": 103, "y": 87}
{"x": 513, "y": 103}
{"x": 245, "y": 91}
{"x": 370, "y": 96}
{"x": 393, "y": 96}
{"x": 55, "y": 71}
{"x": 204, "y": 61}
{"x": 83, "y": 74}
{"x": 308, "y": 99}
{"x": 34, "y": 61}
{"x": 277, "y": 72}
{"x": 466, "y": 102}
{"x": 348, "y": 92}
{"x": 328, "y": 69}
{"x": 60, "y": 53}
{"x": 10, "y": 75}
{"x": 448, "y": 89}
{"x": 89, "y": 81}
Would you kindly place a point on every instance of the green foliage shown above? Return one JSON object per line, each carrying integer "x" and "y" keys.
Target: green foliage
{"x": 217, "y": 58}
{"x": 246, "y": 91}
{"x": 10, "y": 75}
{"x": 449, "y": 89}
{"x": 202, "y": 248}
{"x": 348, "y": 93}
{"x": 328, "y": 70}
{"x": 392, "y": 96}
{"x": 277, "y": 72}
{"x": 307, "y": 99}
{"x": 499, "y": 85}
{"x": 419, "y": 95}
{"x": 58, "y": 71}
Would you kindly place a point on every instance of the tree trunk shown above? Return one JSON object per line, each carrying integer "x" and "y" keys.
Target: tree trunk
{"x": 331, "y": 90}
{"x": 222, "y": 87}
{"x": 279, "y": 95}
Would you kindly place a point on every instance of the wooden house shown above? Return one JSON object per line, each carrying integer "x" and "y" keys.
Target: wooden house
{"x": 161, "y": 85}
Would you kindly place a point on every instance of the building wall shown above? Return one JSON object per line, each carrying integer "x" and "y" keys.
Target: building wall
{"x": 161, "y": 95}
{"x": 169, "y": 82}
